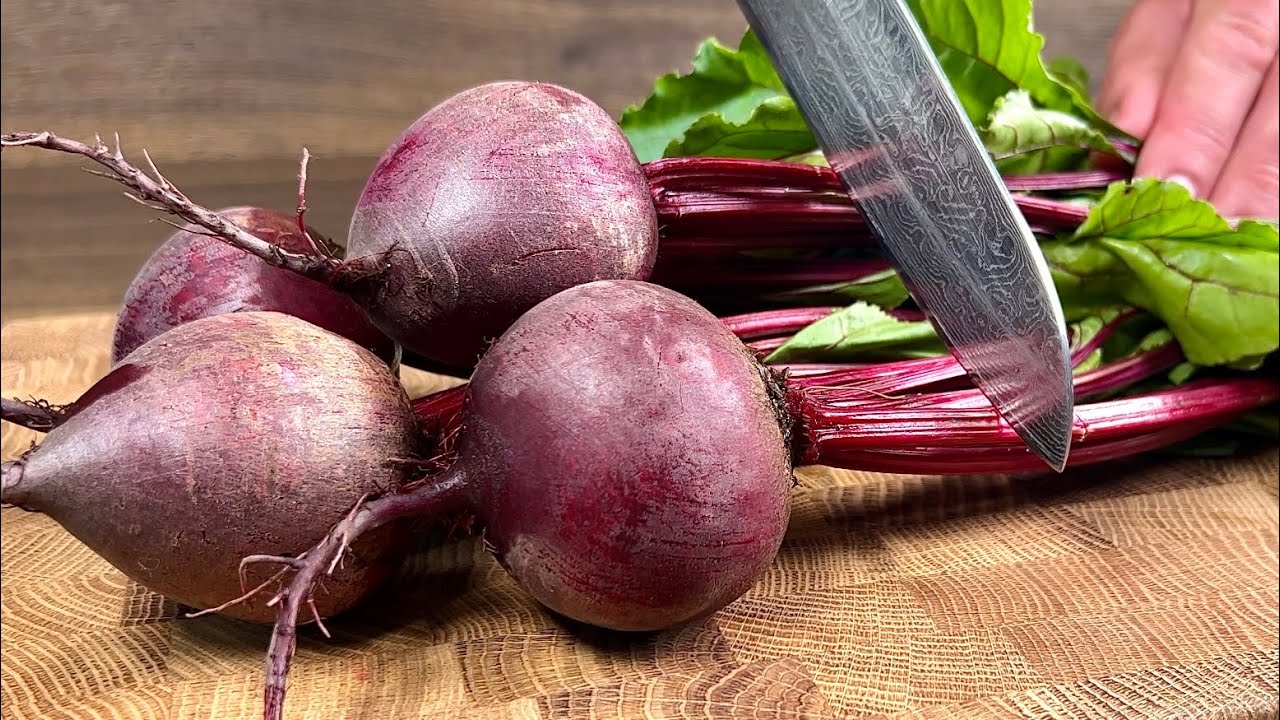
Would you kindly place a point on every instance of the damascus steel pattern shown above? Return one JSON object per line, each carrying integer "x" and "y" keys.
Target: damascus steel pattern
{"x": 864, "y": 77}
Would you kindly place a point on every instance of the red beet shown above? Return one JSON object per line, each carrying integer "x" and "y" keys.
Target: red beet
{"x": 192, "y": 275}
{"x": 492, "y": 201}
{"x": 600, "y": 492}
{"x": 226, "y": 436}
{"x": 626, "y": 454}
{"x": 629, "y": 458}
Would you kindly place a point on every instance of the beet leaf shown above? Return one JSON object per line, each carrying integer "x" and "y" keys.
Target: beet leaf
{"x": 733, "y": 103}
{"x": 1150, "y": 245}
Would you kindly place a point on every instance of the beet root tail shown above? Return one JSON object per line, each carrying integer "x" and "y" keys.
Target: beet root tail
{"x": 435, "y": 497}
{"x": 155, "y": 191}
{"x": 38, "y": 415}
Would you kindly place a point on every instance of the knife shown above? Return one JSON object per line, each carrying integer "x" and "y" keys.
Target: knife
{"x": 867, "y": 83}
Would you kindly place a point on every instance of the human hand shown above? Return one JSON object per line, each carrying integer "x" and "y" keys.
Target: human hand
{"x": 1196, "y": 80}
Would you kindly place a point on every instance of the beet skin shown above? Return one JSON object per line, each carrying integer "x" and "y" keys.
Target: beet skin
{"x": 494, "y": 200}
{"x": 631, "y": 467}
{"x": 192, "y": 275}
{"x": 225, "y": 437}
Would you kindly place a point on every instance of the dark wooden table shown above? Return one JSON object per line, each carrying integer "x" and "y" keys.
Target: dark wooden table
{"x": 226, "y": 94}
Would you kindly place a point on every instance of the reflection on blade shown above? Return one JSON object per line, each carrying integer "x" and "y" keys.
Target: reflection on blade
{"x": 871, "y": 89}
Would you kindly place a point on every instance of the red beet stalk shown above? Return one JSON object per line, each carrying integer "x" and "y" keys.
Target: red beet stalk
{"x": 960, "y": 432}
{"x": 771, "y": 323}
{"x": 834, "y": 410}
{"x": 916, "y": 416}
{"x": 793, "y": 178}
{"x": 921, "y": 434}
{"x": 735, "y": 276}
{"x": 766, "y": 330}
{"x": 701, "y": 197}
{"x": 859, "y": 387}
{"x": 735, "y": 228}
{"x": 1104, "y": 431}
{"x": 37, "y": 415}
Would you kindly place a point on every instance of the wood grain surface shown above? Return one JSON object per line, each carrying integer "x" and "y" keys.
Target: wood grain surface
{"x": 225, "y": 94}
{"x": 1142, "y": 590}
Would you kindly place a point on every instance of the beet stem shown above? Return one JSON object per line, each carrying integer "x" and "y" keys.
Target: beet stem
{"x": 1068, "y": 180}
{"x": 922, "y": 438}
{"x": 302, "y": 204}
{"x": 438, "y": 412}
{"x": 728, "y": 196}
{"x": 764, "y": 276}
{"x": 899, "y": 377}
{"x": 768, "y": 323}
{"x": 986, "y": 460}
{"x": 765, "y": 330}
{"x": 439, "y": 496}
{"x": 783, "y": 176}
{"x": 160, "y": 194}
{"x": 38, "y": 415}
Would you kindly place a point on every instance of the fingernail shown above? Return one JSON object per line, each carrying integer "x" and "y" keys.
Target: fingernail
{"x": 1184, "y": 181}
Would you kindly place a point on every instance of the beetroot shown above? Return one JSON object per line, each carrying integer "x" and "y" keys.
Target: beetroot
{"x": 192, "y": 275}
{"x": 629, "y": 458}
{"x": 626, "y": 454}
{"x": 601, "y": 493}
{"x": 492, "y": 201}
{"x": 225, "y": 436}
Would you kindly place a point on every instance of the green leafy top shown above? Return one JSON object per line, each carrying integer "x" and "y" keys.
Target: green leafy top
{"x": 989, "y": 47}
{"x": 1023, "y": 138}
{"x": 1151, "y": 245}
{"x": 1144, "y": 244}
{"x": 733, "y": 104}
{"x": 860, "y": 331}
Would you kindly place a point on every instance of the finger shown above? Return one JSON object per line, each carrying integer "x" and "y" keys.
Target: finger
{"x": 1142, "y": 51}
{"x": 1211, "y": 87}
{"x": 1249, "y": 186}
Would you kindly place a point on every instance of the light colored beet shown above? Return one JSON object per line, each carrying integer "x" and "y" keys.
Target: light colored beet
{"x": 224, "y": 437}
{"x": 192, "y": 275}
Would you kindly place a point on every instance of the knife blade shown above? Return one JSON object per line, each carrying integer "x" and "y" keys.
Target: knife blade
{"x": 869, "y": 86}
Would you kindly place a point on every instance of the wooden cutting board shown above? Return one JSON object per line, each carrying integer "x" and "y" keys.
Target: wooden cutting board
{"x": 1145, "y": 591}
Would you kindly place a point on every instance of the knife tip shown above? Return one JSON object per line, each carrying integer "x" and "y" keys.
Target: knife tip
{"x": 1050, "y": 438}
{"x": 1057, "y": 461}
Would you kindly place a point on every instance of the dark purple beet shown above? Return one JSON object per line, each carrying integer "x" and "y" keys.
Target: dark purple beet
{"x": 494, "y": 200}
{"x": 632, "y": 470}
{"x": 192, "y": 275}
